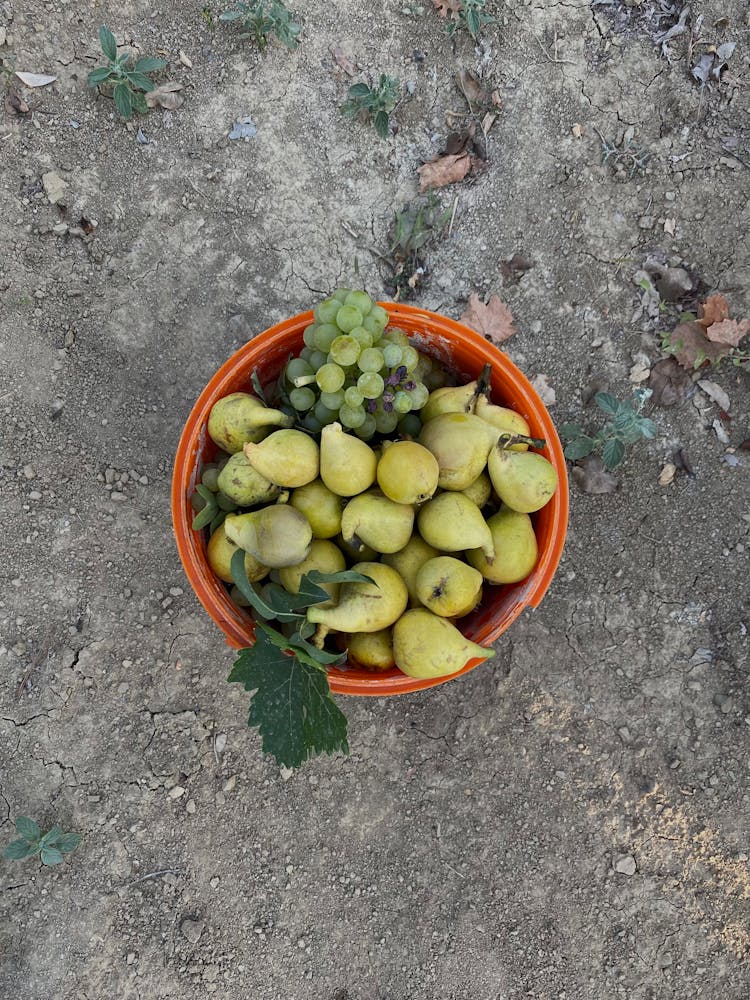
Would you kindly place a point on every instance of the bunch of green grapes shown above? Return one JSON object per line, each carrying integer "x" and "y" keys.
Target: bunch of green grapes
{"x": 354, "y": 370}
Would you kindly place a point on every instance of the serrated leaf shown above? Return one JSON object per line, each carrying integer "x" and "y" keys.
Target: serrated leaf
{"x": 230, "y": 15}
{"x": 149, "y": 64}
{"x": 571, "y": 431}
{"x": 98, "y": 75}
{"x": 579, "y": 447}
{"x": 140, "y": 81}
{"x": 123, "y": 101}
{"x": 51, "y": 837}
{"x": 358, "y": 90}
{"x": 68, "y": 842}
{"x": 624, "y": 418}
{"x": 108, "y": 43}
{"x": 381, "y": 124}
{"x": 51, "y": 856}
{"x": 647, "y": 427}
{"x": 613, "y": 453}
{"x": 607, "y": 402}
{"x": 17, "y": 850}
{"x": 28, "y": 829}
{"x": 291, "y": 705}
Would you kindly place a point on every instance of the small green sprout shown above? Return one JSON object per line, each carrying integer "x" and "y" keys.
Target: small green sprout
{"x": 377, "y": 103}
{"x": 129, "y": 80}
{"x": 261, "y": 19}
{"x": 472, "y": 17}
{"x": 51, "y": 846}
{"x": 626, "y": 427}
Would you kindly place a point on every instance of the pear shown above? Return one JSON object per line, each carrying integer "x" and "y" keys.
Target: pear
{"x": 524, "y": 481}
{"x": 219, "y": 552}
{"x": 286, "y": 457}
{"x": 347, "y": 464}
{"x": 277, "y": 535}
{"x": 448, "y": 587}
{"x": 449, "y": 399}
{"x": 356, "y": 551}
{"x": 480, "y": 490}
{"x": 239, "y": 417}
{"x": 407, "y": 472}
{"x": 372, "y": 650}
{"x": 460, "y": 442}
{"x": 516, "y": 548}
{"x": 323, "y": 556}
{"x": 363, "y": 607}
{"x": 427, "y": 646}
{"x": 321, "y": 507}
{"x": 451, "y": 522}
{"x": 409, "y": 559}
{"x": 372, "y": 519}
{"x": 507, "y": 421}
{"x": 241, "y": 482}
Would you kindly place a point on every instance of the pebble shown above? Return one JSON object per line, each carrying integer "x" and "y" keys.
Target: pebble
{"x": 221, "y": 742}
{"x": 176, "y": 792}
{"x": 230, "y": 783}
{"x": 192, "y": 929}
{"x": 190, "y": 806}
{"x": 625, "y": 865}
{"x": 724, "y": 703}
{"x": 54, "y": 187}
{"x": 29, "y": 472}
{"x": 215, "y": 882}
{"x": 646, "y": 222}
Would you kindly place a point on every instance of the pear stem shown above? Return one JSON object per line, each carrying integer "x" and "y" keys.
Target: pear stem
{"x": 482, "y": 388}
{"x": 506, "y": 441}
{"x": 320, "y": 636}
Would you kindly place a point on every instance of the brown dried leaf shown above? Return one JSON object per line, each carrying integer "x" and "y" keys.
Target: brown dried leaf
{"x": 668, "y": 382}
{"x": 15, "y": 104}
{"x": 344, "y": 61}
{"x": 592, "y": 477}
{"x": 444, "y": 170}
{"x": 166, "y": 96}
{"x": 471, "y": 88}
{"x": 713, "y": 310}
{"x": 459, "y": 142}
{"x": 494, "y": 321}
{"x": 728, "y": 332}
{"x": 546, "y": 393}
{"x": 448, "y": 7}
{"x": 515, "y": 267}
{"x": 691, "y": 347}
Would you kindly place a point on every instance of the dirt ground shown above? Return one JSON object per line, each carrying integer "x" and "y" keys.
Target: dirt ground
{"x": 567, "y": 821}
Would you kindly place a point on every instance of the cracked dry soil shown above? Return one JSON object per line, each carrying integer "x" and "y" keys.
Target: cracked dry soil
{"x": 568, "y": 821}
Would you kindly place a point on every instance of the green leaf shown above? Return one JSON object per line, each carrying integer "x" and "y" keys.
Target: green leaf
{"x": 624, "y": 419}
{"x": 19, "y": 849}
{"x": 613, "y": 453}
{"x": 28, "y": 829}
{"x": 607, "y": 403}
{"x": 264, "y": 609}
{"x": 139, "y": 102}
{"x": 51, "y": 856}
{"x": 51, "y": 838}
{"x": 108, "y": 43}
{"x": 230, "y": 15}
{"x": 579, "y": 448}
{"x": 358, "y": 90}
{"x": 647, "y": 427}
{"x": 123, "y": 100}
{"x": 292, "y": 704}
{"x": 149, "y": 64}
{"x": 203, "y": 517}
{"x": 472, "y": 23}
{"x": 257, "y": 387}
{"x": 68, "y": 842}
{"x": 98, "y": 75}
{"x": 140, "y": 81}
{"x": 381, "y": 124}
{"x": 571, "y": 431}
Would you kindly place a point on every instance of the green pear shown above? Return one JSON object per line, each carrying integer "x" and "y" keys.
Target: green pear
{"x": 372, "y": 650}
{"x": 480, "y": 490}
{"x": 426, "y": 646}
{"x": 451, "y": 522}
{"x": 321, "y": 506}
{"x": 219, "y": 552}
{"x": 363, "y": 607}
{"x": 241, "y": 482}
{"x": 372, "y": 519}
{"x": 408, "y": 560}
{"x": 323, "y": 556}
{"x": 448, "y": 587}
{"x": 277, "y": 535}
{"x": 407, "y": 472}
{"x": 507, "y": 421}
{"x": 239, "y": 417}
{"x": 524, "y": 481}
{"x": 449, "y": 399}
{"x": 286, "y": 457}
{"x": 515, "y": 545}
{"x": 347, "y": 464}
{"x": 460, "y": 442}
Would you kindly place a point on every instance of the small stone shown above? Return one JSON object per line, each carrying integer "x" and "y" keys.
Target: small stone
{"x": 192, "y": 929}
{"x": 626, "y": 865}
{"x": 230, "y": 783}
{"x": 723, "y": 702}
{"x": 176, "y": 792}
{"x": 54, "y": 187}
{"x": 624, "y": 733}
{"x": 190, "y": 806}
{"x": 220, "y": 742}
{"x": 215, "y": 882}
{"x": 286, "y": 772}
{"x": 646, "y": 222}
{"x": 670, "y": 195}
{"x": 130, "y": 958}
{"x": 29, "y": 472}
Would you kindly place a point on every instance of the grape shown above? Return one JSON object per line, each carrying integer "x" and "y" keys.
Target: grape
{"x": 297, "y": 368}
{"x": 325, "y": 334}
{"x": 309, "y": 335}
{"x": 386, "y": 422}
{"x": 410, "y": 425}
{"x": 371, "y": 385}
{"x": 392, "y": 355}
{"x": 210, "y": 478}
{"x": 374, "y": 326}
{"x": 344, "y": 350}
{"x": 435, "y": 379}
{"x": 330, "y": 377}
{"x": 409, "y": 357}
{"x": 352, "y": 416}
{"x": 317, "y": 359}
{"x": 323, "y": 413}
{"x": 347, "y": 318}
{"x": 418, "y": 395}
{"x": 362, "y": 335}
{"x": 396, "y": 336}
{"x": 332, "y": 400}
{"x": 352, "y": 396}
{"x": 371, "y": 360}
{"x": 366, "y": 429}
{"x": 325, "y": 311}
{"x": 305, "y": 353}
{"x": 302, "y": 399}
{"x": 360, "y": 300}
{"x": 401, "y": 402}
{"x": 379, "y": 314}
{"x": 341, "y": 294}
{"x": 311, "y": 422}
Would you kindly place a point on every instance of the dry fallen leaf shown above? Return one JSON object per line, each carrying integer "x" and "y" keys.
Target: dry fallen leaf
{"x": 691, "y": 347}
{"x": 35, "y": 79}
{"x": 666, "y": 476}
{"x": 515, "y": 267}
{"x": 344, "y": 61}
{"x": 544, "y": 389}
{"x": 639, "y": 372}
{"x": 494, "y": 320}
{"x": 185, "y": 59}
{"x": 728, "y": 332}
{"x": 592, "y": 477}
{"x": 446, "y": 7}
{"x": 166, "y": 96}
{"x": 713, "y": 310}
{"x": 471, "y": 88}
{"x": 15, "y": 104}
{"x": 669, "y": 226}
{"x": 668, "y": 382}
{"x": 444, "y": 170}
{"x": 715, "y": 393}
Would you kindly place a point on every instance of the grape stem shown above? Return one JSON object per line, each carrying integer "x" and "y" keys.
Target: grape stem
{"x": 506, "y": 441}
{"x": 302, "y": 380}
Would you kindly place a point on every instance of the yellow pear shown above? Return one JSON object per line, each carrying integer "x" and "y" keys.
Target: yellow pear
{"x": 277, "y": 535}
{"x": 323, "y": 556}
{"x": 507, "y": 421}
{"x": 321, "y": 506}
{"x": 426, "y": 645}
{"x": 241, "y": 482}
{"x": 449, "y": 399}
{"x": 356, "y": 550}
{"x": 347, "y": 464}
{"x": 407, "y": 472}
{"x": 451, "y": 522}
{"x": 480, "y": 490}
{"x": 219, "y": 552}
{"x": 524, "y": 481}
{"x": 448, "y": 587}
{"x": 372, "y": 650}
{"x": 287, "y": 457}
{"x": 515, "y": 545}
{"x": 239, "y": 418}
{"x": 372, "y": 519}
{"x": 460, "y": 442}
{"x": 363, "y": 607}
{"x": 408, "y": 560}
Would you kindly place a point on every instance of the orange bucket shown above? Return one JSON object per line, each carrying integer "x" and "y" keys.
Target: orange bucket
{"x": 464, "y": 353}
